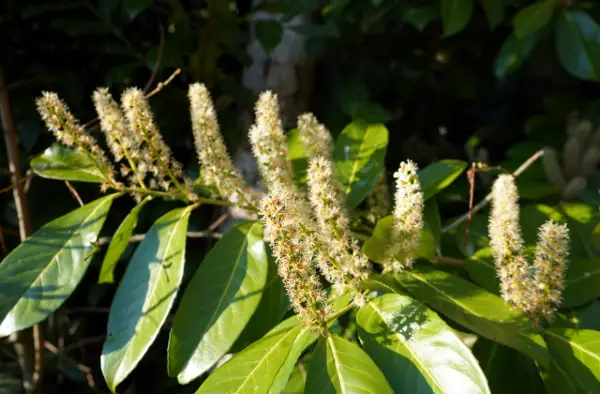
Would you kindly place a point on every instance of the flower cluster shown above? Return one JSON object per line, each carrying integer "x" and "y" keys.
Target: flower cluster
{"x": 217, "y": 166}
{"x": 61, "y": 122}
{"x": 408, "y": 219}
{"x": 316, "y": 138}
{"x": 293, "y": 246}
{"x": 340, "y": 259}
{"x": 533, "y": 289}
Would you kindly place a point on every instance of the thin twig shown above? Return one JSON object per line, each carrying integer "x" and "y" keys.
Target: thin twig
{"x": 488, "y": 198}
{"x": 161, "y": 85}
{"x": 218, "y": 222}
{"x": 139, "y": 237}
{"x": 81, "y": 367}
{"x": 443, "y": 260}
{"x": 74, "y": 193}
{"x": 161, "y": 45}
{"x": 14, "y": 185}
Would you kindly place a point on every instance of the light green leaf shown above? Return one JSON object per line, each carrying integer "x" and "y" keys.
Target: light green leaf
{"x": 577, "y": 44}
{"x": 268, "y": 33}
{"x": 420, "y": 17}
{"x": 339, "y": 366}
{"x": 578, "y": 353}
{"x": 359, "y": 157}
{"x": 145, "y": 295}
{"x": 533, "y": 18}
{"x": 400, "y": 333}
{"x": 42, "y": 272}
{"x": 296, "y": 383}
{"x": 439, "y": 175}
{"x": 494, "y": 12}
{"x": 218, "y": 302}
{"x": 455, "y": 15}
{"x": 59, "y": 162}
{"x": 513, "y": 53}
{"x": 298, "y": 157}
{"x": 119, "y": 243}
{"x": 256, "y": 368}
{"x": 375, "y": 247}
{"x": 474, "y": 308}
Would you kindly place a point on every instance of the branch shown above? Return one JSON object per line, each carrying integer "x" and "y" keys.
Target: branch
{"x": 158, "y": 58}
{"x": 488, "y": 198}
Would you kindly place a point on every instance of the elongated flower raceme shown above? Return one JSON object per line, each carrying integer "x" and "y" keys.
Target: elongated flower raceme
{"x": 217, "y": 166}
{"x": 341, "y": 261}
{"x": 61, "y": 122}
{"x": 550, "y": 267}
{"x": 315, "y": 137}
{"x": 408, "y": 219}
{"x": 269, "y": 143}
{"x": 156, "y": 156}
{"x": 293, "y": 247}
{"x": 119, "y": 138}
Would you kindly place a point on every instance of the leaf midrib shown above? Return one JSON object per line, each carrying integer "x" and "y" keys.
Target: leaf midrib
{"x": 337, "y": 363}
{"x": 574, "y": 344}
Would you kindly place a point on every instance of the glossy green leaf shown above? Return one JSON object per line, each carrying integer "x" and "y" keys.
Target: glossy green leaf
{"x": 558, "y": 381}
{"x": 42, "y": 272}
{"x": 229, "y": 284}
{"x": 119, "y": 243}
{"x": 268, "y": 33}
{"x": 400, "y": 333}
{"x": 339, "y": 366}
{"x": 513, "y": 53}
{"x": 578, "y": 353}
{"x": 359, "y": 157}
{"x": 375, "y": 247}
{"x": 298, "y": 157}
{"x": 256, "y": 368}
{"x": 474, "y": 308}
{"x": 494, "y": 12}
{"x": 59, "y": 162}
{"x": 296, "y": 383}
{"x": 577, "y": 37}
{"x": 145, "y": 295}
{"x": 482, "y": 270}
{"x": 420, "y": 17}
{"x": 440, "y": 175}
{"x": 455, "y": 15}
{"x": 533, "y": 18}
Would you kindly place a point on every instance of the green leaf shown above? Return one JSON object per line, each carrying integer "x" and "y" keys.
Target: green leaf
{"x": 359, "y": 157}
{"x": 256, "y": 368}
{"x": 375, "y": 247}
{"x": 229, "y": 285}
{"x": 59, "y": 162}
{"x": 577, "y": 37}
{"x": 494, "y": 12}
{"x": 119, "y": 243}
{"x": 578, "y": 352}
{"x": 298, "y": 157}
{"x": 420, "y": 17}
{"x": 136, "y": 7}
{"x": 145, "y": 295}
{"x": 513, "y": 53}
{"x": 440, "y": 175}
{"x": 296, "y": 383}
{"x": 268, "y": 33}
{"x": 472, "y": 307}
{"x": 482, "y": 270}
{"x": 42, "y": 272}
{"x": 80, "y": 27}
{"x": 455, "y": 15}
{"x": 317, "y": 31}
{"x": 533, "y": 18}
{"x": 400, "y": 334}
{"x": 339, "y": 366}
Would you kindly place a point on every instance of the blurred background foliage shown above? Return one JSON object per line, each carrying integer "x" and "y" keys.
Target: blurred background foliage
{"x": 478, "y": 80}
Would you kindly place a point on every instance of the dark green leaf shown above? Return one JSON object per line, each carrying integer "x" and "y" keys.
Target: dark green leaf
{"x": 59, "y": 162}
{"x": 80, "y": 27}
{"x": 472, "y": 307}
{"x": 145, "y": 296}
{"x": 583, "y": 282}
{"x": 34, "y": 10}
{"x": 229, "y": 284}
{"x": 513, "y": 54}
{"x": 577, "y": 38}
{"x": 119, "y": 243}
{"x": 420, "y": 17}
{"x": 298, "y": 157}
{"x": 42, "y": 272}
{"x": 400, "y": 334}
{"x": 339, "y": 366}
{"x": 258, "y": 367}
{"x": 578, "y": 353}
{"x": 311, "y": 30}
{"x": 359, "y": 157}
{"x": 455, "y": 15}
{"x": 268, "y": 33}
{"x": 136, "y": 7}
{"x": 533, "y": 18}
{"x": 482, "y": 270}
{"x": 494, "y": 11}
{"x": 439, "y": 175}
